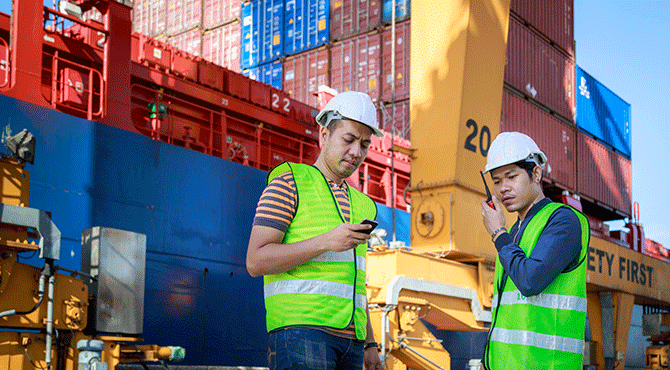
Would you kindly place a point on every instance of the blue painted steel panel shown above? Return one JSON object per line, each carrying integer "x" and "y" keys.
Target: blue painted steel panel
{"x": 195, "y": 209}
{"x": 603, "y": 114}
{"x": 262, "y": 32}
{"x": 269, "y": 74}
{"x": 402, "y": 10}
{"x": 385, "y": 219}
{"x": 307, "y": 25}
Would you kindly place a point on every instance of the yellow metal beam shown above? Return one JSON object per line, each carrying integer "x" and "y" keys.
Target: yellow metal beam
{"x": 456, "y": 296}
{"x": 613, "y": 267}
{"x": 458, "y": 58}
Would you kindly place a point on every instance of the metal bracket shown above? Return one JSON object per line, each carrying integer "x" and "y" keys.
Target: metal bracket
{"x": 38, "y": 220}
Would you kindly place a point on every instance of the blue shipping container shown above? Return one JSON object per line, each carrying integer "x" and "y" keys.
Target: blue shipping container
{"x": 269, "y": 74}
{"x": 602, "y": 113}
{"x": 307, "y": 25}
{"x": 402, "y": 10}
{"x": 262, "y": 32}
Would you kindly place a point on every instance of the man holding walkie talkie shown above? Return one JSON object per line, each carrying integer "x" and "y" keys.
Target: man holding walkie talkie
{"x": 539, "y": 303}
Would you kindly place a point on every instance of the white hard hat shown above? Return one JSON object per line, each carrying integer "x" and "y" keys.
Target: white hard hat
{"x": 353, "y": 105}
{"x": 511, "y": 147}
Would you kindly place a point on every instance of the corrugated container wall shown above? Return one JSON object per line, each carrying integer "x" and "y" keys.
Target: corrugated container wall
{"x": 355, "y": 64}
{"x": 402, "y": 10}
{"x": 402, "y": 62}
{"x": 304, "y": 73}
{"x": 183, "y": 15}
{"x": 218, "y": 12}
{"x": 539, "y": 70}
{"x": 269, "y": 74}
{"x": 262, "y": 32}
{"x": 401, "y": 122}
{"x": 306, "y": 25}
{"x": 350, "y": 18}
{"x": 554, "y": 137}
{"x": 603, "y": 175}
{"x": 149, "y": 17}
{"x": 189, "y": 41}
{"x": 221, "y": 46}
{"x": 602, "y": 113}
{"x": 552, "y": 18}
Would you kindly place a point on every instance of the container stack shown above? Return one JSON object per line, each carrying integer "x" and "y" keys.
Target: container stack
{"x": 299, "y": 45}
{"x": 604, "y": 145}
{"x": 206, "y": 28}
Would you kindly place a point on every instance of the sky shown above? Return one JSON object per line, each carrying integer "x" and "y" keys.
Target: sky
{"x": 626, "y": 46}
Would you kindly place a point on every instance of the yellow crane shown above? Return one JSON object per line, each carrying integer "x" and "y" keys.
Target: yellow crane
{"x": 446, "y": 277}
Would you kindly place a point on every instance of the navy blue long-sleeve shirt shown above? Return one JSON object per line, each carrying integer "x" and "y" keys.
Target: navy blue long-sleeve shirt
{"x": 559, "y": 244}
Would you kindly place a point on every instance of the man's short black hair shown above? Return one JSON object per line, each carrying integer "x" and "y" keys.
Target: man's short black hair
{"x": 333, "y": 125}
{"x": 527, "y": 166}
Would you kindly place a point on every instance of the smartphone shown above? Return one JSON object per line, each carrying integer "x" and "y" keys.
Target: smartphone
{"x": 369, "y": 222}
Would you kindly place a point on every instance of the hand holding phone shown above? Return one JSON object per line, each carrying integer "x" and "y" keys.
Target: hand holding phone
{"x": 368, "y": 222}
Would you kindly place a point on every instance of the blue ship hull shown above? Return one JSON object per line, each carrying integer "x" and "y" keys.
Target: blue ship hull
{"x": 196, "y": 211}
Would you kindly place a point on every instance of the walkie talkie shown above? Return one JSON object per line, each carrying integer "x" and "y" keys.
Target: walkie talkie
{"x": 489, "y": 200}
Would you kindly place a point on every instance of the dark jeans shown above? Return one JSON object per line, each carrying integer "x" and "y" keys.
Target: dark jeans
{"x": 311, "y": 349}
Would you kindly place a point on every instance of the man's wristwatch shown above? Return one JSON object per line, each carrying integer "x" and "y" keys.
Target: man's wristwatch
{"x": 370, "y": 345}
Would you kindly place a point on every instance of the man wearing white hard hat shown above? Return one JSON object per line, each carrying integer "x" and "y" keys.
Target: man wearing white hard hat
{"x": 309, "y": 244}
{"x": 539, "y": 303}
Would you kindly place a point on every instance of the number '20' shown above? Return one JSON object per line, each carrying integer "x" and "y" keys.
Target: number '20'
{"x": 484, "y": 138}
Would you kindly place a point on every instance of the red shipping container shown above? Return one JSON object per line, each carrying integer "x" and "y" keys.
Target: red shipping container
{"x": 352, "y": 17}
{"x": 402, "y": 62}
{"x": 539, "y": 71}
{"x": 355, "y": 64}
{"x": 603, "y": 175}
{"x": 304, "y": 73}
{"x": 221, "y": 46}
{"x": 183, "y": 15}
{"x": 552, "y": 18}
{"x": 218, "y": 12}
{"x": 401, "y": 121}
{"x": 149, "y": 16}
{"x": 554, "y": 137}
{"x": 188, "y": 41}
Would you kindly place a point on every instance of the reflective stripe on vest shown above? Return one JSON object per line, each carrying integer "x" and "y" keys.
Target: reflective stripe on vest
{"x": 529, "y": 338}
{"x": 345, "y": 256}
{"x": 557, "y": 301}
{"x": 315, "y": 287}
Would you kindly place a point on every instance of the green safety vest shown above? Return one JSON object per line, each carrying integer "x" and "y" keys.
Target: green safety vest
{"x": 328, "y": 291}
{"x": 545, "y": 331}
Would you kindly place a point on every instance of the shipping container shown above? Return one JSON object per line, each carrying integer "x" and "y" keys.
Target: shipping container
{"x": 189, "y": 41}
{"x": 355, "y": 64}
{"x": 395, "y": 122}
{"x": 149, "y": 16}
{"x": 602, "y": 113}
{"x": 351, "y": 18}
{"x": 554, "y": 137}
{"x": 402, "y": 10}
{"x": 183, "y": 15}
{"x": 552, "y": 18}
{"x": 603, "y": 176}
{"x": 306, "y": 25}
{"x": 304, "y": 73}
{"x": 539, "y": 70}
{"x": 402, "y": 62}
{"x": 269, "y": 74}
{"x": 221, "y": 46}
{"x": 219, "y": 12}
{"x": 262, "y": 32}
